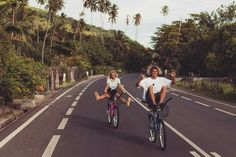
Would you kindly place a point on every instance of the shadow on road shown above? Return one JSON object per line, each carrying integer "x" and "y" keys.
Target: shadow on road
{"x": 104, "y": 129}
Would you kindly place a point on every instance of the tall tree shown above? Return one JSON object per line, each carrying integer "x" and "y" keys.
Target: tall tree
{"x": 53, "y": 6}
{"x": 137, "y": 21}
{"x": 113, "y": 14}
{"x": 92, "y": 5}
{"x": 165, "y": 11}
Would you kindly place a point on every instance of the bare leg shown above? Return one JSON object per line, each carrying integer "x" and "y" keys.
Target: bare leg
{"x": 163, "y": 94}
{"x": 152, "y": 95}
{"x": 105, "y": 95}
{"x": 127, "y": 102}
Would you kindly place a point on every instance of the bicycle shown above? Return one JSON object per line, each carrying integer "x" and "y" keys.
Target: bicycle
{"x": 157, "y": 125}
{"x": 113, "y": 111}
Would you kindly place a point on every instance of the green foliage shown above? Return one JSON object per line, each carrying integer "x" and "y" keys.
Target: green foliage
{"x": 20, "y": 76}
{"x": 203, "y": 44}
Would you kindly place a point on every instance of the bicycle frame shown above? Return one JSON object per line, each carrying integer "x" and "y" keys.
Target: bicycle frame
{"x": 113, "y": 113}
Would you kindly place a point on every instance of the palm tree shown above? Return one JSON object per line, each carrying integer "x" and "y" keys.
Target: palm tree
{"x": 165, "y": 11}
{"x": 75, "y": 26}
{"x": 127, "y": 22}
{"x": 113, "y": 14}
{"x": 137, "y": 20}
{"x": 57, "y": 26}
{"x": 14, "y": 5}
{"x": 53, "y": 6}
{"x": 92, "y": 4}
{"x": 121, "y": 43}
{"x": 81, "y": 27}
{"x": 103, "y": 7}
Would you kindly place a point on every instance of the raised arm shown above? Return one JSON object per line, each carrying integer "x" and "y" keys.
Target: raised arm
{"x": 141, "y": 77}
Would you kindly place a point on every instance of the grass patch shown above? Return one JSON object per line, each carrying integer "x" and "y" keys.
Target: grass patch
{"x": 215, "y": 89}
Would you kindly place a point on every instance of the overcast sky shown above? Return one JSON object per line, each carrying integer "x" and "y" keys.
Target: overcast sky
{"x": 150, "y": 11}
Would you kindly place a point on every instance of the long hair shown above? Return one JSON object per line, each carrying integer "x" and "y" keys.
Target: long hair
{"x": 112, "y": 71}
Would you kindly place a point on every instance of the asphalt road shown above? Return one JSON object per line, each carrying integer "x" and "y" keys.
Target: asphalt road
{"x": 73, "y": 124}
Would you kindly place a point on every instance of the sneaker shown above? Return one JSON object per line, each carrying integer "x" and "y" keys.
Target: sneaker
{"x": 96, "y": 95}
{"x": 151, "y": 139}
{"x": 128, "y": 101}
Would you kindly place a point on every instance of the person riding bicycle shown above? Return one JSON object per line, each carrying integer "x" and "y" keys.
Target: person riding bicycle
{"x": 155, "y": 86}
{"x": 111, "y": 89}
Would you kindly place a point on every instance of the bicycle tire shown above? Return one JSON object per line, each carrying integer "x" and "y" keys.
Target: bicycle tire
{"x": 109, "y": 118}
{"x": 116, "y": 117}
{"x": 162, "y": 134}
{"x": 152, "y": 129}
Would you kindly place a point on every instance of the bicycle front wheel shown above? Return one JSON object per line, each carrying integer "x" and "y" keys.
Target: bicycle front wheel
{"x": 162, "y": 134}
{"x": 109, "y": 118}
{"x": 116, "y": 117}
{"x": 152, "y": 129}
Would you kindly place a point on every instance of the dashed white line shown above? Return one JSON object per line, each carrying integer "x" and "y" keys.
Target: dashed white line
{"x": 77, "y": 98}
{"x": 201, "y": 103}
{"x": 186, "y": 98}
{"x": 63, "y": 124}
{"x": 74, "y": 104}
{"x": 70, "y": 110}
{"x": 175, "y": 94}
{"x": 19, "y": 129}
{"x": 80, "y": 93}
{"x": 51, "y": 146}
{"x": 229, "y": 113}
{"x": 205, "y": 98}
{"x": 194, "y": 154}
{"x": 215, "y": 154}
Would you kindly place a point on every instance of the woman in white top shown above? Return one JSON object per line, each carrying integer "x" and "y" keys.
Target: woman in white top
{"x": 110, "y": 91}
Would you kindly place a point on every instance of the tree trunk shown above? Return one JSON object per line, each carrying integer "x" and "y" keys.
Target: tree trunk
{"x": 13, "y": 21}
{"x": 75, "y": 35}
{"x": 52, "y": 39}
{"x": 37, "y": 36}
{"x": 45, "y": 38}
{"x": 44, "y": 43}
{"x": 80, "y": 37}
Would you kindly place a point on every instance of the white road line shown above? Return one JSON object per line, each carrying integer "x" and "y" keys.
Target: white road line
{"x": 215, "y": 154}
{"x": 68, "y": 96}
{"x": 186, "y": 98}
{"x": 194, "y": 154}
{"x": 51, "y": 146}
{"x": 70, "y": 110}
{"x": 201, "y": 103}
{"x": 63, "y": 124}
{"x": 206, "y": 98}
{"x": 74, "y": 104}
{"x": 77, "y": 98}
{"x": 175, "y": 94}
{"x": 187, "y": 140}
{"x": 19, "y": 129}
{"x": 232, "y": 114}
{"x": 68, "y": 90}
{"x": 80, "y": 93}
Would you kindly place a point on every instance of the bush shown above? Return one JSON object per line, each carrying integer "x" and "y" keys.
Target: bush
{"x": 20, "y": 76}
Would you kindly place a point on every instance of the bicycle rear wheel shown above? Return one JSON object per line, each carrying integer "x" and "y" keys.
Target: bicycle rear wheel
{"x": 116, "y": 117}
{"x": 162, "y": 134}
